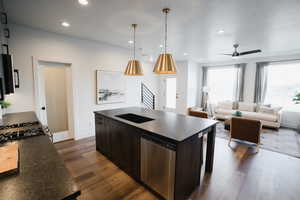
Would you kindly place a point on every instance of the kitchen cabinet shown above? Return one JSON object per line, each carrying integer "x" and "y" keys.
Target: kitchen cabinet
{"x": 125, "y": 146}
{"x": 120, "y": 143}
{"x": 102, "y": 136}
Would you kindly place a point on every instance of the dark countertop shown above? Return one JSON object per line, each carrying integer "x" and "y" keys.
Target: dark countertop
{"x": 16, "y": 118}
{"x": 176, "y": 127}
{"x": 42, "y": 173}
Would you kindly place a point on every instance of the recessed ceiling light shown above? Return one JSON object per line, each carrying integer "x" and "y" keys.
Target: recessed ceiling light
{"x": 83, "y": 2}
{"x": 221, "y": 31}
{"x": 130, "y": 42}
{"x": 65, "y": 24}
{"x": 161, "y": 46}
{"x": 185, "y": 54}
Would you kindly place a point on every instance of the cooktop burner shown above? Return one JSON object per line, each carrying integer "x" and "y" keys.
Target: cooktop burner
{"x": 20, "y": 125}
{"x": 17, "y": 135}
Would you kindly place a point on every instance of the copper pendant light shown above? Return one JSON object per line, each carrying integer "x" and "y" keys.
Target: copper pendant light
{"x": 134, "y": 67}
{"x": 165, "y": 63}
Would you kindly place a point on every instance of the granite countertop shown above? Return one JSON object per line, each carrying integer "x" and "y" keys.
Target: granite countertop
{"x": 42, "y": 173}
{"x": 176, "y": 127}
{"x": 17, "y": 118}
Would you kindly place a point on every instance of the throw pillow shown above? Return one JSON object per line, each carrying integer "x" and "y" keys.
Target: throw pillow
{"x": 225, "y": 105}
{"x": 250, "y": 107}
{"x": 269, "y": 110}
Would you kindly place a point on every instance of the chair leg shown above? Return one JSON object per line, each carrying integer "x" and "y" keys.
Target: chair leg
{"x": 257, "y": 148}
{"x": 229, "y": 142}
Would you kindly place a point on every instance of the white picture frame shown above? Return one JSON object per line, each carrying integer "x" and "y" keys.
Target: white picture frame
{"x": 110, "y": 87}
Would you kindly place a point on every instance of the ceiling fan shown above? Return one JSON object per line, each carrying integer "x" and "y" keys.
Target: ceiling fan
{"x": 236, "y": 53}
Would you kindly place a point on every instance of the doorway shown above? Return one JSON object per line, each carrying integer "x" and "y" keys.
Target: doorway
{"x": 53, "y": 92}
{"x": 170, "y": 94}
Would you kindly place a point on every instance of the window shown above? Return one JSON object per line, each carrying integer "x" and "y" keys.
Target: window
{"x": 283, "y": 84}
{"x": 221, "y": 82}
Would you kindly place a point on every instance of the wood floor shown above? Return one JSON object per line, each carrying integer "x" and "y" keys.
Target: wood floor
{"x": 238, "y": 173}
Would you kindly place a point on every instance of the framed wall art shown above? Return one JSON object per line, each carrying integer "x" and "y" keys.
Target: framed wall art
{"x": 111, "y": 87}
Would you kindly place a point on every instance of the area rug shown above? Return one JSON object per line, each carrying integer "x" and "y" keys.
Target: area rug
{"x": 286, "y": 141}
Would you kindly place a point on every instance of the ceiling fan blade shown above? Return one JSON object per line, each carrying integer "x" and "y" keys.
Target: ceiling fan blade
{"x": 250, "y": 52}
{"x": 226, "y": 54}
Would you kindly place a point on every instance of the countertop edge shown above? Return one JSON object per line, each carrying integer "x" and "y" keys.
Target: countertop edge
{"x": 151, "y": 132}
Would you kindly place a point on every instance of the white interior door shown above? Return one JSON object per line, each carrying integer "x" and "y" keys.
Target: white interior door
{"x": 54, "y": 99}
{"x": 170, "y": 95}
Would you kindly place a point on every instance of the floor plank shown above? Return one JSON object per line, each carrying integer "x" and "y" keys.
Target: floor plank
{"x": 239, "y": 174}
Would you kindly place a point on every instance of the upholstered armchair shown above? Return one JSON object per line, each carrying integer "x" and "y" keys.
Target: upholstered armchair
{"x": 197, "y": 113}
{"x": 245, "y": 129}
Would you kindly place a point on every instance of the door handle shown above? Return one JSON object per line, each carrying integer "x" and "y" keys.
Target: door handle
{"x": 43, "y": 108}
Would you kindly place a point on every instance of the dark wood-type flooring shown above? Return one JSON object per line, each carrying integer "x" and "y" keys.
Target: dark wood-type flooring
{"x": 238, "y": 173}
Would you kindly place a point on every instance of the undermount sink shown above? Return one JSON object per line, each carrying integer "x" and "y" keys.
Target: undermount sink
{"x": 134, "y": 118}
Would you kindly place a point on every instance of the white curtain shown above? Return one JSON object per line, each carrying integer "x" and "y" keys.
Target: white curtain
{"x": 204, "y": 84}
{"x": 261, "y": 82}
{"x": 240, "y": 82}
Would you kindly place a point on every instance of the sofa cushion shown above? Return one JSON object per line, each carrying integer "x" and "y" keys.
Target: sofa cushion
{"x": 244, "y": 106}
{"x": 260, "y": 116}
{"x": 269, "y": 110}
{"x": 225, "y": 105}
{"x": 196, "y": 109}
{"x": 225, "y": 111}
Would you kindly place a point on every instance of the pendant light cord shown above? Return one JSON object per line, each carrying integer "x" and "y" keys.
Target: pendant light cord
{"x": 166, "y": 30}
{"x": 134, "y": 26}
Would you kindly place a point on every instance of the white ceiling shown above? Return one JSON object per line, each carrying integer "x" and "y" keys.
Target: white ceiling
{"x": 271, "y": 25}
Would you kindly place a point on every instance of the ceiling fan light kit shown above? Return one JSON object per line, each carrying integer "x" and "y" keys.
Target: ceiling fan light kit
{"x": 133, "y": 67}
{"x": 165, "y": 63}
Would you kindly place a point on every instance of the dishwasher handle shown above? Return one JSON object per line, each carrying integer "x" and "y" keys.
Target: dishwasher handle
{"x": 159, "y": 141}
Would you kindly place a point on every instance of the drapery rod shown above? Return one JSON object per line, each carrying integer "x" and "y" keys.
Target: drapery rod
{"x": 227, "y": 65}
{"x": 272, "y": 61}
{"x": 287, "y": 60}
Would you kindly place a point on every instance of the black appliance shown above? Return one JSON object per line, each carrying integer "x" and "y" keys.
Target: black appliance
{"x": 1, "y": 90}
{"x": 8, "y": 71}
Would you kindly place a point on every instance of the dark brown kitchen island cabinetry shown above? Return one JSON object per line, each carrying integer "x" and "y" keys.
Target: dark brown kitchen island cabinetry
{"x": 161, "y": 150}
{"x": 120, "y": 143}
{"x": 102, "y": 136}
{"x": 125, "y": 144}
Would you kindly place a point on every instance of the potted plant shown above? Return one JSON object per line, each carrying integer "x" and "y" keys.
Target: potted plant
{"x": 296, "y": 99}
{"x": 238, "y": 113}
{"x": 4, "y": 106}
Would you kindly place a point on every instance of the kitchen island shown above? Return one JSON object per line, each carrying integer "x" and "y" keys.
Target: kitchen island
{"x": 42, "y": 173}
{"x": 161, "y": 150}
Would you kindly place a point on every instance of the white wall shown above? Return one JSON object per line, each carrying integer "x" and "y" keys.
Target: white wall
{"x": 193, "y": 84}
{"x": 86, "y": 57}
{"x": 181, "y": 84}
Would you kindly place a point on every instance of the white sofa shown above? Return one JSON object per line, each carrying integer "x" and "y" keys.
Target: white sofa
{"x": 269, "y": 116}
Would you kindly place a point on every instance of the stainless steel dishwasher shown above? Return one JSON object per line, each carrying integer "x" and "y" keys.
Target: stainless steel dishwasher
{"x": 158, "y": 166}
